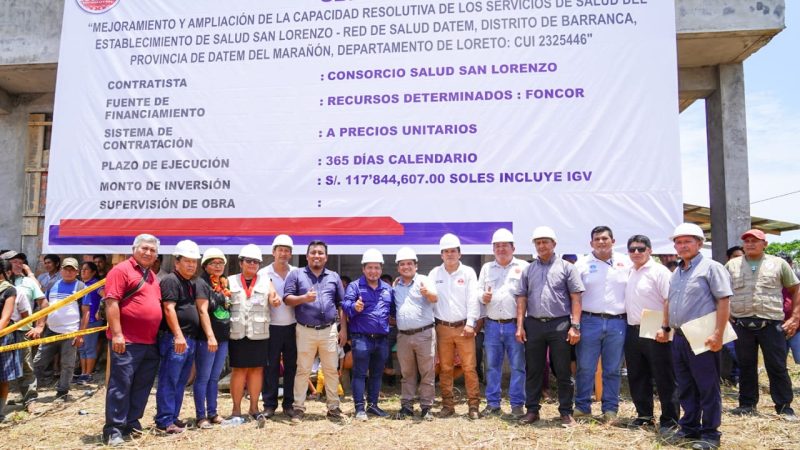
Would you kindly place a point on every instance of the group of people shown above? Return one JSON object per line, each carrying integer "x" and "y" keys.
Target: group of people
{"x": 22, "y": 293}
{"x": 541, "y": 315}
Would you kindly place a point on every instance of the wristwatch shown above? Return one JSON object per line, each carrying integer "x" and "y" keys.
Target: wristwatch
{"x": 666, "y": 329}
{"x": 577, "y": 326}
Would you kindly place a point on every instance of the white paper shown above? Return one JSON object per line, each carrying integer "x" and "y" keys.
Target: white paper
{"x": 651, "y": 324}
{"x": 698, "y": 330}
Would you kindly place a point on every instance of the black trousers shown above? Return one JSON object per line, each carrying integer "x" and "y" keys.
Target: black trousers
{"x": 647, "y": 360}
{"x": 541, "y": 336}
{"x": 772, "y": 341}
{"x": 282, "y": 342}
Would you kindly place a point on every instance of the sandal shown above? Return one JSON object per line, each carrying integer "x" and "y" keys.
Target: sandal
{"x": 204, "y": 424}
{"x": 216, "y": 419}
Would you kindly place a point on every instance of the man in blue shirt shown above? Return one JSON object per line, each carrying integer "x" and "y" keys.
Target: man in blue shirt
{"x": 698, "y": 287}
{"x": 368, "y": 303}
{"x": 316, "y": 294}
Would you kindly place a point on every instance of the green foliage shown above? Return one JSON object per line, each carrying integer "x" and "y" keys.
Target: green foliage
{"x": 786, "y": 248}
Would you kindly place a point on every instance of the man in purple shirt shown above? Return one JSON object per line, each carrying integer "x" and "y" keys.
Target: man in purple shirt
{"x": 316, "y": 294}
{"x": 368, "y": 304}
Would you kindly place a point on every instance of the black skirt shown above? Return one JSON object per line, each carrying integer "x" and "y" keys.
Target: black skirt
{"x": 246, "y": 353}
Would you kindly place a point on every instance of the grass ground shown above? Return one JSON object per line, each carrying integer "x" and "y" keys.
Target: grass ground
{"x": 78, "y": 424}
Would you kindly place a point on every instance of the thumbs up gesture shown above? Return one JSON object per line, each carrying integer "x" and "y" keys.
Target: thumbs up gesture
{"x": 311, "y": 295}
{"x": 423, "y": 289}
{"x": 359, "y": 306}
{"x": 274, "y": 299}
{"x": 487, "y": 294}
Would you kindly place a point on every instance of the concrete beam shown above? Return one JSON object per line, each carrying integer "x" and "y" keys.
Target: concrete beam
{"x": 729, "y": 186}
{"x": 697, "y": 82}
{"x": 5, "y": 103}
{"x": 694, "y": 16}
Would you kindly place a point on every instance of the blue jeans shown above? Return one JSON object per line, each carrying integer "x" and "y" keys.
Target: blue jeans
{"x": 794, "y": 347}
{"x": 599, "y": 338}
{"x": 369, "y": 354}
{"x": 89, "y": 348}
{"x": 129, "y": 385}
{"x": 172, "y": 378}
{"x": 209, "y": 367}
{"x": 500, "y": 340}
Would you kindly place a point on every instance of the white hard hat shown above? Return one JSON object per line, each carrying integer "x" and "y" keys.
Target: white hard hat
{"x": 213, "y": 253}
{"x": 250, "y": 251}
{"x": 405, "y": 253}
{"x": 372, "y": 255}
{"x": 283, "y": 240}
{"x": 688, "y": 229}
{"x": 544, "y": 232}
{"x": 502, "y": 235}
{"x": 187, "y": 249}
{"x": 449, "y": 240}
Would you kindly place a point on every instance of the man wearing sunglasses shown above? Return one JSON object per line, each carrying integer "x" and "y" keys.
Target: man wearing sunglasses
{"x": 757, "y": 310}
{"x": 648, "y": 359}
{"x": 604, "y": 274}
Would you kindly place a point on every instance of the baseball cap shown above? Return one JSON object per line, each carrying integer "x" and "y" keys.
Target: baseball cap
{"x": 70, "y": 262}
{"x": 758, "y": 234}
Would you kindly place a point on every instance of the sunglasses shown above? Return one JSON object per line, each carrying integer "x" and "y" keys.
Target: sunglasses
{"x": 250, "y": 261}
{"x": 637, "y": 249}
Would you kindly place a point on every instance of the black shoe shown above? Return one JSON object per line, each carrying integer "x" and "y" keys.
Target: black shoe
{"x": 403, "y": 413}
{"x": 491, "y": 411}
{"x": 268, "y": 413}
{"x": 335, "y": 414}
{"x": 426, "y": 414}
{"x": 640, "y": 422}
{"x": 374, "y": 410}
{"x": 744, "y": 411}
{"x": 680, "y": 437}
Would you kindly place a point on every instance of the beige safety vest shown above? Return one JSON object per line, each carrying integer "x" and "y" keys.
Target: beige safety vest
{"x": 756, "y": 294}
{"x": 250, "y": 316}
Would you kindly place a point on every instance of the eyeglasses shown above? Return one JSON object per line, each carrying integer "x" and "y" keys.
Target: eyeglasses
{"x": 219, "y": 263}
{"x": 250, "y": 261}
{"x": 637, "y": 249}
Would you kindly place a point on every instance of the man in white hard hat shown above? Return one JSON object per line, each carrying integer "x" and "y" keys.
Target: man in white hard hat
{"x": 456, "y": 313}
{"x": 604, "y": 274}
{"x": 699, "y": 286}
{"x": 414, "y": 297}
{"x": 548, "y": 318}
{"x": 133, "y": 309}
{"x": 498, "y": 283}
{"x": 316, "y": 294}
{"x": 757, "y": 310}
{"x": 282, "y": 332}
{"x": 368, "y": 304}
{"x": 177, "y": 342}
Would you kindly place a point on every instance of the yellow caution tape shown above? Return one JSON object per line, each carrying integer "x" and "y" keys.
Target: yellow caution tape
{"x": 49, "y": 339}
{"x": 39, "y": 314}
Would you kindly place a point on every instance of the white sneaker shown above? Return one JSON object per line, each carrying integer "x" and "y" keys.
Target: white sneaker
{"x": 361, "y": 415}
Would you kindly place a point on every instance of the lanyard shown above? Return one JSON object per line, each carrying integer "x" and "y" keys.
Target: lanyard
{"x": 248, "y": 291}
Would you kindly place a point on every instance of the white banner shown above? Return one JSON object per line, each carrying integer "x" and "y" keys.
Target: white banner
{"x": 363, "y": 123}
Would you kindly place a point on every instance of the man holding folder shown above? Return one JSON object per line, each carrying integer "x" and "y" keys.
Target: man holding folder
{"x": 700, "y": 286}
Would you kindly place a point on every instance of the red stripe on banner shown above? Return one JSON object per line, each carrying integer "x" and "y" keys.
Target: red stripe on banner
{"x": 297, "y": 226}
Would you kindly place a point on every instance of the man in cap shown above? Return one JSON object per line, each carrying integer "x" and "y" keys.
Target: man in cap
{"x": 282, "y": 332}
{"x": 700, "y": 286}
{"x": 368, "y": 303}
{"x": 316, "y": 294}
{"x": 133, "y": 310}
{"x": 414, "y": 297}
{"x": 177, "y": 342}
{"x": 51, "y": 274}
{"x": 456, "y": 313}
{"x": 66, "y": 319}
{"x": 648, "y": 359}
{"x": 603, "y": 323}
{"x": 548, "y": 318}
{"x": 498, "y": 284}
{"x": 757, "y": 309}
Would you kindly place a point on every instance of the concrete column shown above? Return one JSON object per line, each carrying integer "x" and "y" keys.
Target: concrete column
{"x": 728, "y": 175}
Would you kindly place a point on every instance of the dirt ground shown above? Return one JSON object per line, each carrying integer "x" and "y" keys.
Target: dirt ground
{"x": 78, "y": 424}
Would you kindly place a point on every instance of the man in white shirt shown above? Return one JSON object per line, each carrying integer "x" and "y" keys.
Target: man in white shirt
{"x": 498, "y": 283}
{"x": 282, "y": 339}
{"x": 603, "y": 321}
{"x": 648, "y": 359}
{"x": 456, "y": 312}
